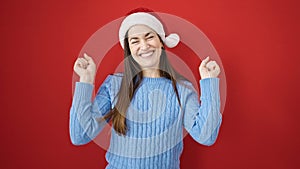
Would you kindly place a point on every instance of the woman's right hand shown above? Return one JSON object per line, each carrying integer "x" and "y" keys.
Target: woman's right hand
{"x": 85, "y": 68}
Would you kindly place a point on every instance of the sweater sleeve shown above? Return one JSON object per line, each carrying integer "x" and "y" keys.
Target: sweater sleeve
{"x": 85, "y": 114}
{"x": 203, "y": 120}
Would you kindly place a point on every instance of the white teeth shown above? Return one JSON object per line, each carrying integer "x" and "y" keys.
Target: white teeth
{"x": 146, "y": 54}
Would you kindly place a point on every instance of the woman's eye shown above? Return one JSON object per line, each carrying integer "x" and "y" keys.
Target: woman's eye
{"x": 150, "y": 37}
{"x": 134, "y": 42}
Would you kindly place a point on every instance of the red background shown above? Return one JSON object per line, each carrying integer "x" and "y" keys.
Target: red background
{"x": 256, "y": 40}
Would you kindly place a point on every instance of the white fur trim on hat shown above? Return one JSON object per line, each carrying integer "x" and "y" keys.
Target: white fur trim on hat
{"x": 143, "y": 18}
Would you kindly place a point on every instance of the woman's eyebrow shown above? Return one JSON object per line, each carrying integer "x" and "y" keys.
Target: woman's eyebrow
{"x": 147, "y": 34}
{"x": 134, "y": 38}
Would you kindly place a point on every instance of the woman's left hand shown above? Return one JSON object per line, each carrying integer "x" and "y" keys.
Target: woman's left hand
{"x": 209, "y": 69}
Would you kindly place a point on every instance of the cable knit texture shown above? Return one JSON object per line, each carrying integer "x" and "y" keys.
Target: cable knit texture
{"x": 154, "y": 119}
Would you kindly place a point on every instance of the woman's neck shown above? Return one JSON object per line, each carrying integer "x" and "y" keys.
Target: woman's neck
{"x": 151, "y": 73}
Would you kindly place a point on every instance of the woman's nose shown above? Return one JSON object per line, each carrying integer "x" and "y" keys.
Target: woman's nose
{"x": 144, "y": 45}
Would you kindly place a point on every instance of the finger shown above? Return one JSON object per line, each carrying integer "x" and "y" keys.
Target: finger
{"x": 204, "y": 62}
{"x": 218, "y": 69}
{"x": 216, "y": 66}
{"x": 76, "y": 64}
{"x": 83, "y": 60}
{"x": 211, "y": 65}
{"x": 87, "y": 57}
{"x": 82, "y": 63}
{"x": 79, "y": 64}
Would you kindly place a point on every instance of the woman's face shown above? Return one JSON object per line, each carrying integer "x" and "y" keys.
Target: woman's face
{"x": 145, "y": 46}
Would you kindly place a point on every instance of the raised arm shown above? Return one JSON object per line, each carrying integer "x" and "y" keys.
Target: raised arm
{"x": 85, "y": 114}
{"x": 203, "y": 120}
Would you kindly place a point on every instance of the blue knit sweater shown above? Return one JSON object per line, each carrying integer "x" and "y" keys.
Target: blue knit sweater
{"x": 154, "y": 119}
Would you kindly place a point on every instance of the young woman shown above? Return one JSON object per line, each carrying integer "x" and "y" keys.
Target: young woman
{"x": 149, "y": 104}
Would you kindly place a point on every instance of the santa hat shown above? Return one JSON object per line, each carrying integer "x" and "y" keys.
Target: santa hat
{"x": 151, "y": 21}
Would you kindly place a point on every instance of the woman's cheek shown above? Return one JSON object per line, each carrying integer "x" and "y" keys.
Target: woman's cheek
{"x": 132, "y": 50}
{"x": 135, "y": 50}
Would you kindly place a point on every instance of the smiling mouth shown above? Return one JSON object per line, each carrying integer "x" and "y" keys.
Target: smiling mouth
{"x": 147, "y": 54}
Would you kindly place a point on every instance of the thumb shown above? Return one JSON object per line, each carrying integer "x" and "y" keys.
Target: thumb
{"x": 87, "y": 57}
{"x": 204, "y": 62}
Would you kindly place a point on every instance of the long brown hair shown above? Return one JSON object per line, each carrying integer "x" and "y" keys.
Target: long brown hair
{"x": 131, "y": 80}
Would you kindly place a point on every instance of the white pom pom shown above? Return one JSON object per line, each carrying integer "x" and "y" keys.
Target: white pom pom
{"x": 172, "y": 40}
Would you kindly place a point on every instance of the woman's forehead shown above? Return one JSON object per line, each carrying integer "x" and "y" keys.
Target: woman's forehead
{"x": 139, "y": 30}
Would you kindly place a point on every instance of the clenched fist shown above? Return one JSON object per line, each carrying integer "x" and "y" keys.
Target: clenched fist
{"x": 85, "y": 68}
{"x": 209, "y": 69}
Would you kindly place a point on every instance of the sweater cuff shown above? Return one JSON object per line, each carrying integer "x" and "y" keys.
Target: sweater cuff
{"x": 209, "y": 87}
{"x": 83, "y": 91}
